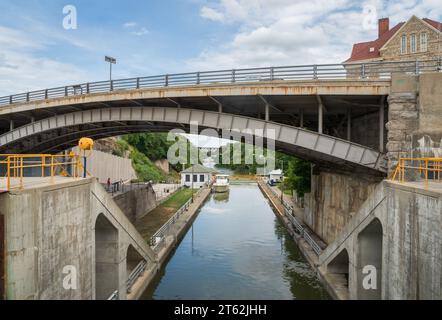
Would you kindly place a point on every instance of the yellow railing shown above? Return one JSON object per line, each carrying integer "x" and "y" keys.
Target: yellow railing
{"x": 16, "y": 167}
{"x": 418, "y": 169}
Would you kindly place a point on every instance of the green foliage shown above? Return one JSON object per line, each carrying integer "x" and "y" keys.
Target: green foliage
{"x": 152, "y": 145}
{"x": 122, "y": 148}
{"x": 298, "y": 176}
{"x": 145, "y": 169}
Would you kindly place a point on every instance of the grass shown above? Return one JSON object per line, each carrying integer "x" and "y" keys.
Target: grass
{"x": 178, "y": 200}
{"x": 155, "y": 219}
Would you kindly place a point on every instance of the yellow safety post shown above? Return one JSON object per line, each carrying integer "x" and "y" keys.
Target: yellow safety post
{"x": 9, "y": 173}
{"x": 21, "y": 173}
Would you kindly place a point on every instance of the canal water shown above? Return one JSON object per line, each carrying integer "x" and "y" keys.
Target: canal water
{"x": 237, "y": 249}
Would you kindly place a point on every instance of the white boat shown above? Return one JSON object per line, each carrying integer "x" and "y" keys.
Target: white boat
{"x": 221, "y": 184}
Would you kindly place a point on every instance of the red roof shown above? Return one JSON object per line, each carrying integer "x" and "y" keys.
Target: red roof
{"x": 361, "y": 51}
{"x": 435, "y": 24}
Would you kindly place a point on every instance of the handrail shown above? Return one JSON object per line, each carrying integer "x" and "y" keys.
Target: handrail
{"x": 16, "y": 167}
{"x": 159, "y": 237}
{"x": 136, "y": 273}
{"x": 114, "y": 296}
{"x": 363, "y": 71}
{"x": 288, "y": 211}
{"x": 423, "y": 168}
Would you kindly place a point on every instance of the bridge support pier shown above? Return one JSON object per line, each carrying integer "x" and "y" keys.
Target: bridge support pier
{"x": 320, "y": 118}
{"x": 381, "y": 125}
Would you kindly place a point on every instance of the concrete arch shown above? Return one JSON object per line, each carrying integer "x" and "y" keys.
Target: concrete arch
{"x": 369, "y": 261}
{"x": 339, "y": 269}
{"x": 312, "y": 146}
{"x": 106, "y": 258}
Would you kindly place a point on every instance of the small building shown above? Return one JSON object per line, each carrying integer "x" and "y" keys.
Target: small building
{"x": 276, "y": 175}
{"x": 197, "y": 176}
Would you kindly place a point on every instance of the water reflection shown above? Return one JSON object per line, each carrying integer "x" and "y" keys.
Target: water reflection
{"x": 237, "y": 249}
{"x": 221, "y": 197}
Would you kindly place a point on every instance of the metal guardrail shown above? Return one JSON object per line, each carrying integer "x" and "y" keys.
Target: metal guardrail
{"x": 288, "y": 210}
{"x": 158, "y": 238}
{"x": 114, "y": 296}
{"x": 17, "y": 167}
{"x": 371, "y": 71}
{"x": 418, "y": 170}
{"x": 138, "y": 272}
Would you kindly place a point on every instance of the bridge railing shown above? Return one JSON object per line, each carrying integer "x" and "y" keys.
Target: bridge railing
{"x": 369, "y": 71}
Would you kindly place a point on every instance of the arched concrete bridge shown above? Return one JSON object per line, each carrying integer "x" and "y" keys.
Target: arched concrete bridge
{"x": 337, "y": 123}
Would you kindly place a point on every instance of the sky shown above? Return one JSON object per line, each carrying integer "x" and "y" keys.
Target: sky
{"x": 153, "y": 37}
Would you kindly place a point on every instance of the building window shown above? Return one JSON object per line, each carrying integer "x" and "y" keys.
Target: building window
{"x": 195, "y": 178}
{"x": 187, "y": 177}
{"x": 413, "y": 43}
{"x": 424, "y": 42}
{"x": 404, "y": 44}
{"x": 202, "y": 178}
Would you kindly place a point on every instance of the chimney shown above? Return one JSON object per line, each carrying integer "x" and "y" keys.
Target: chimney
{"x": 384, "y": 26}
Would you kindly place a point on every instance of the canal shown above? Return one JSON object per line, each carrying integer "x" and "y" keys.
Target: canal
{"x": 237, "y": 249}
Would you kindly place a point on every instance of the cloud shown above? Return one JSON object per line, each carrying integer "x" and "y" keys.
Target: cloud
{"x": 21, "y": 68}
{"x": 143, "y": 31}
{"x": 130, "y": 24}
{"x": 294, "y": 32}
{"x": 211, "y": 14}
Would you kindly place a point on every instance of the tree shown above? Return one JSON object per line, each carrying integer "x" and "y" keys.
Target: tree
{"x": 299, "y": 176}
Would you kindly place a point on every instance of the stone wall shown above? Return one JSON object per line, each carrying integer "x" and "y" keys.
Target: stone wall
{"x": 333, "y": 201}
{"x": 392, "y": 52}
{"x": 137, "y": 203}
{"x": 415, "y": 122}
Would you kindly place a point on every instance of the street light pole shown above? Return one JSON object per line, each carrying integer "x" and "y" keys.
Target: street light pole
{"x": 111, "y": 61}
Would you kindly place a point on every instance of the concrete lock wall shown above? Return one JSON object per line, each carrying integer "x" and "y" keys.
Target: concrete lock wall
{"x": 137, "y": 203}
{"x": 397, "y": 231}
{"x": 104, "y": 166}
{"x": 56, "y": 232}
{"x": 333, "y": 201}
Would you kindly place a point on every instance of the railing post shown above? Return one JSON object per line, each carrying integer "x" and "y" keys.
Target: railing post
{"x": 315, "y": 72}
{"x": 233, "y": 76}
{"x": 10, "y": 99}
{"x": 166, "y": 80}
{"x": 88, "y": 88}
{"x": 65, "y": 91}
{"x": 112, "y": 85}
{"x": 272, "y": 74}
{"x": 198, "y": 78}
{"x": 27, "y": 97}
{"x": 46, "y": 94}
{"x": 363, "y": 72}
{"x": 417, "y": 67}
{"x": 138, "y": 83}
{"x": 9, "y": 173}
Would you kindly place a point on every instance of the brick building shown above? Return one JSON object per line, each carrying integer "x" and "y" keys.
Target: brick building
{"x": 417, "y": 39}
